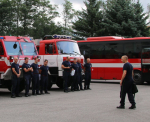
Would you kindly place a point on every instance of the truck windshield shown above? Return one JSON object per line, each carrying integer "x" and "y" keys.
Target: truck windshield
{"x": 67, "y": 47}
{"x": 11, "y": 50}
{"x": 28, "y": 48}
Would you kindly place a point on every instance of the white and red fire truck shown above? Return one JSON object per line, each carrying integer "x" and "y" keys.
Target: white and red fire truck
{"x": 10, "y": 47}
{"x": 56, "y": 48}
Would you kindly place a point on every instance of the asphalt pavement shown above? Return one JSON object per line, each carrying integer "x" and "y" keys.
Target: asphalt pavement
{"x": 96, "y": 105}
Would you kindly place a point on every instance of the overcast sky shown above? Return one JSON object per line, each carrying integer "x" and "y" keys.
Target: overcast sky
{"x": 78, "y": 5}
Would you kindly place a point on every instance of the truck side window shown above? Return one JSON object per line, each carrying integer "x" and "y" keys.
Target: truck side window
{"x": 50, "y": 48}
{"x": 1, "y": 49}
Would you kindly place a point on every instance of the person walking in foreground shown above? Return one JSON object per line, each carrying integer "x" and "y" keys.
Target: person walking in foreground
{"x": 44, "y": 77}
{"x": 15, "y": 78}
{"x": 87, "y": 70}
{"x": 126, "y": 84}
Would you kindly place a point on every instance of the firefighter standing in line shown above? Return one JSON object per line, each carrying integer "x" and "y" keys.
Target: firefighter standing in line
{"x": 66, "y": 73}
{"x": 79, "y": 74}
{"x": 87, "y": 70}
{"x": 15, "y": 78}
{"x": 44, "y": 77}
{"x": 75, "y": 66}
{"x": 35, "y": 78}
{"x": 27, "y": 69}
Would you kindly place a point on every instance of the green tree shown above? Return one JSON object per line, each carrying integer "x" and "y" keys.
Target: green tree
{"x": 141, "y": 20}
{"x": 31, "y": 11}
{"x": 26, "y": 17}
{"x": 68, "y": 16}
{"x": 7, "y": 17}
{"x": 43, "y": 21}
{"x": 148, "y": 7}
{"x": 90, "y": 20}
{"x": 125, "y": 18}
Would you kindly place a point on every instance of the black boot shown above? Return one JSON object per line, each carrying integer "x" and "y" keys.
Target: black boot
{"x": 121, "y": 107}
{"x": 132, "y": 107}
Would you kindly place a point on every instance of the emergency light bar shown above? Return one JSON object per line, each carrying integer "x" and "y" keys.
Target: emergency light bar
{"x": 1, "y": 37}
{"x": 61, "y": 37}
{"x": 55, "y": 36}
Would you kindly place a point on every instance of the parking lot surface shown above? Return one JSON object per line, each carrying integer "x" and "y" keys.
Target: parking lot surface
{"x": 96, "y": 105}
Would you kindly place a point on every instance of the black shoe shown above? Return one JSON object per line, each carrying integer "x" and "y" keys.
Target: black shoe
{"x": 38, "y": 94}
{"x": 66, "y": 91}
{"x": 121, "y": 107}
{"x": 82, "y": 89}
{"x": 85, "y": 88}
{"x": 132, "y": 107}
{"x": 26, "y": 95}
{"x": 42, "y": 93}
{"x": 47, "y": 93}
{"x": 18, "y": 96}
{"x": 33, "y": 94}
{"x": 88, "y": 88}
{"x": 13, "y": 96}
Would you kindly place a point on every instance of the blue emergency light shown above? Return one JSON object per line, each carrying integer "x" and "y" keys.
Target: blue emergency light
{"x": 1, "y": 37}
{"x": 61, "y": 37}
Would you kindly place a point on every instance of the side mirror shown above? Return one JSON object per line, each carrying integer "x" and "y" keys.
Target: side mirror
{"x": 15, "y": 46}
{"x": 83, "y": 52}
{"x": 50, "y": 49}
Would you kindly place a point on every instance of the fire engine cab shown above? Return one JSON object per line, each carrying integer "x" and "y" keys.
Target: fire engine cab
{"x": 55, "y": 49}
{"x": 10, "y": 47}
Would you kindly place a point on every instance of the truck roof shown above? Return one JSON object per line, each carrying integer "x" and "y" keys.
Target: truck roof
{"x": 15, "y": 38}
{"x": 111, "y": 38}
{"x": 38, "y": 41}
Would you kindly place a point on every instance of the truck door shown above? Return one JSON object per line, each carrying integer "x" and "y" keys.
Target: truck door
{"x": 145, "y": 63}
{"x": 2, "y": 60}
{"x": 51, "y": 56}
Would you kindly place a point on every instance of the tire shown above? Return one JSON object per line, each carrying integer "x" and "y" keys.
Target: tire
{"x": 49, "y": 85}
{"x": 21, "y": 88}
{"x": 59, "y": 82}
{"x": 138, "y": 77}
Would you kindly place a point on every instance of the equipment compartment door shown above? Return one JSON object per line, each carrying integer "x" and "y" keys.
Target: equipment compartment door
{"x": 145, "y": 63}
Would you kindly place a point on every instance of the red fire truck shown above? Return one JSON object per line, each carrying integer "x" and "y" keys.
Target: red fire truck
{"x": 106, "y": 52}
{"x": 11, "y": 47}
{"x": 56, "y": 48}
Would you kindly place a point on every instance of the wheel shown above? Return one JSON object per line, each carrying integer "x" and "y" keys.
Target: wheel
{"x": 49, "y": 83}
{"x": 21, "y": 88}
{"x": 59, "y": 82}
{"x": 138, "y": 77}
{"x": 148, "y": 82}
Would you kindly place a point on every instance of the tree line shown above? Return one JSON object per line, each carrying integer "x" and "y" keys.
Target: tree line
{"x": 36, "y": 18}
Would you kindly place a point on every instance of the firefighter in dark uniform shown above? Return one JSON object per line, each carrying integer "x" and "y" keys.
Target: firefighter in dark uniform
{"x": 75, "y": 66}
{"x": 15, "y": 78}
{"x": 27, "y": 71}
{"x": 66, "y": 65}
{"x": 44, "y": 77}
{"x": 126, "y": 84}
{"x": 35, "y": 78}
{"x": 79, "y": 74}
{"x": 87, "y": 70}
